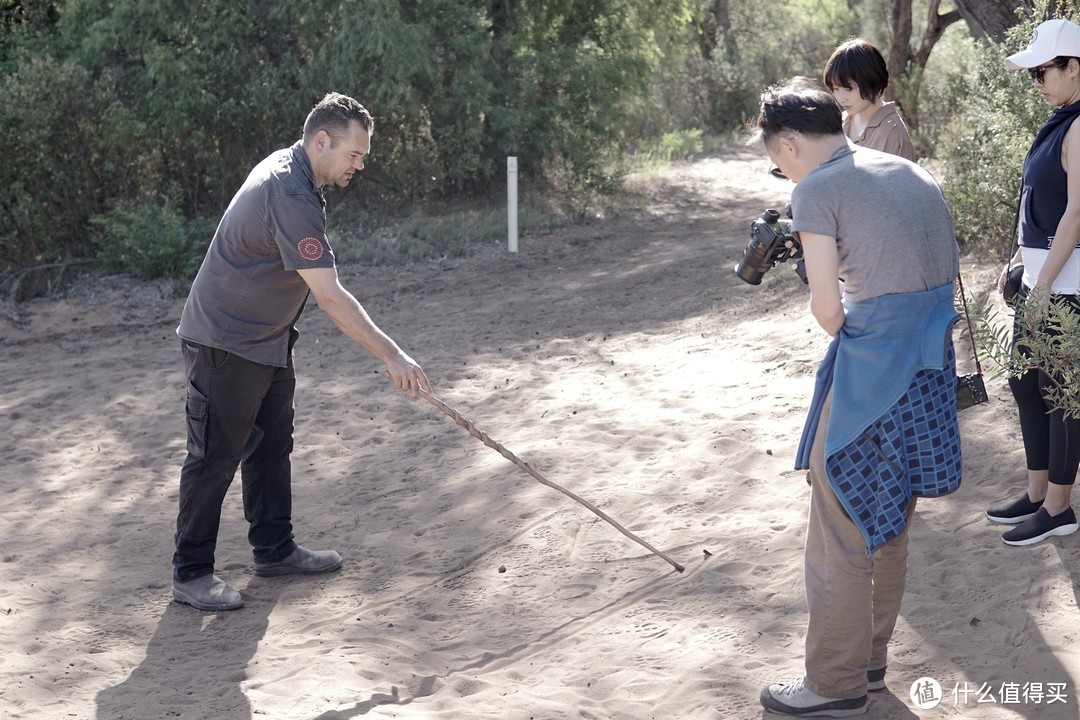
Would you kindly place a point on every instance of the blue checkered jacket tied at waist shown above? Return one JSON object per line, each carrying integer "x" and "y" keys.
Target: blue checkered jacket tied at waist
{"x": 893, "y": 432}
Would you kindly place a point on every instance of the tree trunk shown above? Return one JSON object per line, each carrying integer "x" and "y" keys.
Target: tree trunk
{"x": 722, "y": 12}
{"x": 723, "y": 25}
{"x": 900, "y": 47}
{"x": 935, "y": 28}
{"x": 906, "y": 64}
{"x": 991, "y": 18}
{"x": 715, "y": 23}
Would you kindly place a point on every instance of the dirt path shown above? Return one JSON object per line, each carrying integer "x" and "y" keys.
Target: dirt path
{"x": 625, "y": 361}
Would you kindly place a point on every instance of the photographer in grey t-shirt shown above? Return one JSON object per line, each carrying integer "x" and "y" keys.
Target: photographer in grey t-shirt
{"x": 882, "y": 427}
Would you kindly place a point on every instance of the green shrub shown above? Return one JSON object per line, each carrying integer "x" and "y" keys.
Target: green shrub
{"x": 1056, "y": 354}
{"x": 681, "y": 144}
{"x": 48, "y": 183}
{"x": 447, "y": 235}
{"x": 109, "y": 97}
{"x": 149, "y": 240}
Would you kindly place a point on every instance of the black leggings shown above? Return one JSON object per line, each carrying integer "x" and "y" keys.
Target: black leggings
{"x": 1051, "y": 442}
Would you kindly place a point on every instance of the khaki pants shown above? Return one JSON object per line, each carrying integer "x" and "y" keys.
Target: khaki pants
{"x": 853, "y": 599}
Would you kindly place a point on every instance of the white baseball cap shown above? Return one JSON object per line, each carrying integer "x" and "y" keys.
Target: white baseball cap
{"x": 1054, "y": 38}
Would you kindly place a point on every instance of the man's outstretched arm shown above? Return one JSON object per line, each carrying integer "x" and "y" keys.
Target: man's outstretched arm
{"x": 351, "y": 318}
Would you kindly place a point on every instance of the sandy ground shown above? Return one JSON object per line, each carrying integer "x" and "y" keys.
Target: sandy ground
{"x": 624, "y": 361}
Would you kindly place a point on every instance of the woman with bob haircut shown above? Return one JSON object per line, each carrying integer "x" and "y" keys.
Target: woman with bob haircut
{"x": 857, "y": 77}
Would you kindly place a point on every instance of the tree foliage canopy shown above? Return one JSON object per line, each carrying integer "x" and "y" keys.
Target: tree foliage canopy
{"x": 109, "y": 101}
{"x": 117, "y": 110}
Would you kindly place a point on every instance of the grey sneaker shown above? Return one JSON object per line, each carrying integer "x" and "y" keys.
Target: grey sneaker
{"x": 302, "y": 561}
{"x": 794, "y": 698}
{"x": 208, "y": 592}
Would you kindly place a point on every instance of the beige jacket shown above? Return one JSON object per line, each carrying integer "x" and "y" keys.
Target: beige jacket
{"x": 885, "y": 132}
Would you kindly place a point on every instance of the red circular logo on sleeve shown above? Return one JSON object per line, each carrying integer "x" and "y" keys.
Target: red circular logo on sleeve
{"x": 310, "y": 248}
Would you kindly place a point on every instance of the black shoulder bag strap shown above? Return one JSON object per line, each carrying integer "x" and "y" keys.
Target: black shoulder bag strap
{"x": 970, "y": 388}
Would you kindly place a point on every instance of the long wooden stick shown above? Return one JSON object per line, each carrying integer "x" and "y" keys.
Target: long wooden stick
{"x": 486, "y": 439}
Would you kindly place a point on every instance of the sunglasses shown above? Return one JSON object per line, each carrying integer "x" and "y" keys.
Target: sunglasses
{"x": 775, "y": 172}
{"x": 1038, "y": 73}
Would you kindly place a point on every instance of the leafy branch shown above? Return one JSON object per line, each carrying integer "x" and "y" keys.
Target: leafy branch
{"x": 1051, "y": 345}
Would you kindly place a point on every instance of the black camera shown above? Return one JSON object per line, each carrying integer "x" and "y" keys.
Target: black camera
{"x": 771, "y": 242}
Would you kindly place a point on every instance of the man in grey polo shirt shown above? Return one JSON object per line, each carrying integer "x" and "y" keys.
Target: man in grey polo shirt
{"x": 238, "y": 328}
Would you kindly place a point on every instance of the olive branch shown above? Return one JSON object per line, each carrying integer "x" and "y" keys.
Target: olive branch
{"x": 1055, "y": 349}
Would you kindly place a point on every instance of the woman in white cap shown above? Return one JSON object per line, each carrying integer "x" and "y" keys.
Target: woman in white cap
{"x": 1049, "y": 230}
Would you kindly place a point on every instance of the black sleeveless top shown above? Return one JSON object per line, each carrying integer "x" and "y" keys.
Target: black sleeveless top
{"x": 1045, "y": 183}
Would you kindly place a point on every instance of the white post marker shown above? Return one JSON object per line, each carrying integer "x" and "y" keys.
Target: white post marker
{"x": 511, "y": 204}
